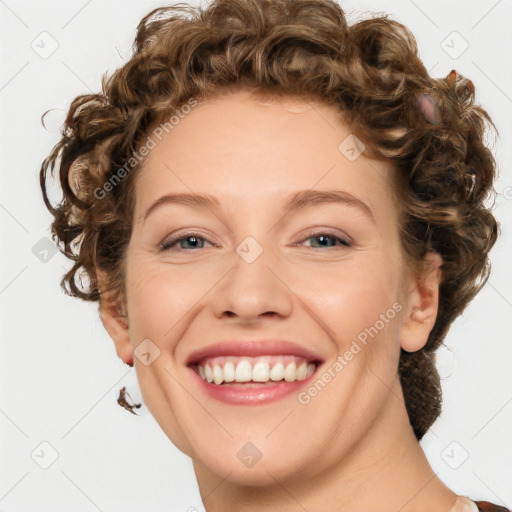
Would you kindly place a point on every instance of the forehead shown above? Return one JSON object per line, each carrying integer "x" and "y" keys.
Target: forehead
{"x": 254, "y": 148}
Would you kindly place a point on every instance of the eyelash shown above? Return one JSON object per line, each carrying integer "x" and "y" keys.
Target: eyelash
{"x": 167, "y": 245}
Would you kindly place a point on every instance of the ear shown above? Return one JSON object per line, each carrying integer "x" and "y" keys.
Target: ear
{"x": 115, "y": 320}
{"x": 422, "y": 305}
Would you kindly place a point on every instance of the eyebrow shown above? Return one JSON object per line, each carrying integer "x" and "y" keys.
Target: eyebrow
{"x": 295, "y": 201}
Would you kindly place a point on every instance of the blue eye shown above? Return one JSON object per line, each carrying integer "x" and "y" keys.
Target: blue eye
{"x": 325, "y": 237}
{"x": 192, "y": 241}
{"x": 191, "y": 238}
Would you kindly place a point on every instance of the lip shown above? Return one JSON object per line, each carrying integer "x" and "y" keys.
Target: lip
{"x": 253, "y": 348}
{"x": 251, "y": 393}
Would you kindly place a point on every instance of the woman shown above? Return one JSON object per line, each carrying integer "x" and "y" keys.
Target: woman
{"x": 280, "y": 216}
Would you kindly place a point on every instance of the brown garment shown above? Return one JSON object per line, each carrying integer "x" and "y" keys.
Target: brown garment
{"x": 485, "y": 506}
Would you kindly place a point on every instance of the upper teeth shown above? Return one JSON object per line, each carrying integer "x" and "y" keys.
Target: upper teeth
{"x": 256, "y": 369}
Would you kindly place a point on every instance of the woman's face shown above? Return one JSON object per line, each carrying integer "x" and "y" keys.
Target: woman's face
{"x": 269, "y": 258}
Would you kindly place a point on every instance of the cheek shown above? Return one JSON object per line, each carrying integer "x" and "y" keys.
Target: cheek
{"x": 161, "y": 297}
{"x": 358, "y": 307}
{"x": 159, "y": 300}
{"x": 352, "y": 297}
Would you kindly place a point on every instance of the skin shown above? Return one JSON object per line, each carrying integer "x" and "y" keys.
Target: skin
{"x": 351, "y": 447}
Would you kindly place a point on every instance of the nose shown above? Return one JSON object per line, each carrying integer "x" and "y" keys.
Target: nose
{"x": 253, "y": 290}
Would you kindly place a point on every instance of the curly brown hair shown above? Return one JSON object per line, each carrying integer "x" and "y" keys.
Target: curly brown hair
{"x": 369, "y": 70}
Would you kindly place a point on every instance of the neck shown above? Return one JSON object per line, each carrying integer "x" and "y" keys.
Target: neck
{"x": 386, "y": 470}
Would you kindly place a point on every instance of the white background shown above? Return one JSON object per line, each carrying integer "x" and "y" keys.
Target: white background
{"x": 59, "y": 372}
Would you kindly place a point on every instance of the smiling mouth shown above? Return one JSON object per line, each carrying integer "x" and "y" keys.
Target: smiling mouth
{"x": 257, "y": 371}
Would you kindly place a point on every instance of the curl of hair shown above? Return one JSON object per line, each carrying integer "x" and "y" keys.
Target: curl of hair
{"x": 369, "y": 70}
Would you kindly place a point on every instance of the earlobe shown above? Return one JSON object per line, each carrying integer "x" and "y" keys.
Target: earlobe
{"x": 115, "y": 320}
{"x": 422, "y": 305}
